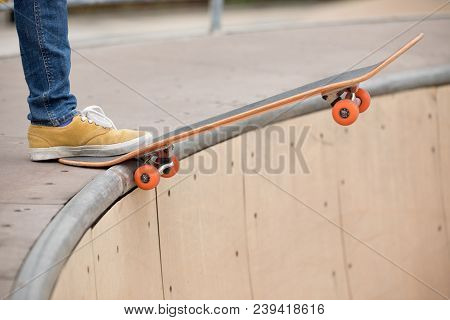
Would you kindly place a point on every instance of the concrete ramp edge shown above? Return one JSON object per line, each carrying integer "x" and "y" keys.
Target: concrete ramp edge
{"x": 42, "y": 266}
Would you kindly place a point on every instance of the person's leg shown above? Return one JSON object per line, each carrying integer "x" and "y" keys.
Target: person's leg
{"x": 57, "y": 129}
{"x": 45, "y": 51}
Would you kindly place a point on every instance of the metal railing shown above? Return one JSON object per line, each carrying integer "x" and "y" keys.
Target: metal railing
{"x": 216, "y": 12}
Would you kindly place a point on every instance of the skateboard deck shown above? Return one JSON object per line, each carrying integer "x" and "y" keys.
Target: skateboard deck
{"x": 340, "y": 90}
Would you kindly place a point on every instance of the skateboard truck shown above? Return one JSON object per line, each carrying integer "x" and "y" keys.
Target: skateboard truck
{"x": 345, "y": 109}
{"x": 159, "y": 163}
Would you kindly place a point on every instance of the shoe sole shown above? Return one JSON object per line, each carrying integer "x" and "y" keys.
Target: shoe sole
{"x": 40, "y": 154}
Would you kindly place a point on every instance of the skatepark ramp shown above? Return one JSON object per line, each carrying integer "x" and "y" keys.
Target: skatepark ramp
{"x": 298, "y": 209}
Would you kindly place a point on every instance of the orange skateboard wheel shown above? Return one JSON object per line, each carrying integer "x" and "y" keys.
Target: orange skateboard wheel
{"x": 364, "y": 96}
{"x": 345, "y": 112}
{"x": 146, "y": 177}
{"x": 172, "y": 170}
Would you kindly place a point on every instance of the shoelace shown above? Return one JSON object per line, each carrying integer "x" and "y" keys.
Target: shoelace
{"x": 95, "y": 114}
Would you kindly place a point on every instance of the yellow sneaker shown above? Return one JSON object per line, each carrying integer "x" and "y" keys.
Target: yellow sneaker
{"x": 91, "y": 133}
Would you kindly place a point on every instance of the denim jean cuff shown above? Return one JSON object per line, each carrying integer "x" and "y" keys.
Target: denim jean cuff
{"x": 57, "y": 122}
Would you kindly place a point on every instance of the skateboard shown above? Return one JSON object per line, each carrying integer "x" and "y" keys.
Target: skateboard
{"x": 342, "y": 91}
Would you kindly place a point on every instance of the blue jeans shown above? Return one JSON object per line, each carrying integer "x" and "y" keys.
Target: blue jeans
{"x": 45, "y": 51}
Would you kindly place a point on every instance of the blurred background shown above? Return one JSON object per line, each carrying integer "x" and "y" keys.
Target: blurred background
{"x": 111, "y": 21}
